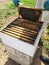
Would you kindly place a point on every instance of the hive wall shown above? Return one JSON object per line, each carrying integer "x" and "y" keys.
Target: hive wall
{"x": 19, "y": 57}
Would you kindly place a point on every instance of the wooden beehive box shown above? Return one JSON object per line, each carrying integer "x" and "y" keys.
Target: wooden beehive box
{"x": 19, "y": 50}
{"x": 32, "y": 14}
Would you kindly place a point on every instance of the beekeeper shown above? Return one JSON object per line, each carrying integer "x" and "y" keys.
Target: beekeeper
{"x": 44, "y": 4}
{"x": 16, "y": 2}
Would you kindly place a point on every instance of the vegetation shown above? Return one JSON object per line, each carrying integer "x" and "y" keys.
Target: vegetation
{"x": 30, "y": 3}
{"x": 9, "y": 8}
{"x": 45, "y": 39}
{"x": 46, "y": 45}
{"x": 5, "y": 12}
{"x": 48, "y": 29}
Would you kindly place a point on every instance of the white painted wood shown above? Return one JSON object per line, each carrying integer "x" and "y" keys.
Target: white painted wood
{"x": 17, "y": 44}
{"x": 21, "y": 45}
{"x": 10, "y": 50}
{"x": 22, "y": 61}
{"x": 19, "y": 57}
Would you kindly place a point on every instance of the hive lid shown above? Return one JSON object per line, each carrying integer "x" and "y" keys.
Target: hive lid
{"x": 32, "y": 14}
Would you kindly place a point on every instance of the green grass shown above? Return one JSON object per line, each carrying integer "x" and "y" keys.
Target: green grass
{"x": 30, "y": 3}
{"x": 46, "y": 38}
{"x": 47, "y": 29}
{"x": 0, "y": 26}
{"x": 10, "y": 5}
{"x": 9, "y": 8}
{"x": 46, "y": 45}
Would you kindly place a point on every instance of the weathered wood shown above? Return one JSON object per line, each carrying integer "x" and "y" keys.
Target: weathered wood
{"x": 25, "y": 29}
{"x": 32, "y": 14}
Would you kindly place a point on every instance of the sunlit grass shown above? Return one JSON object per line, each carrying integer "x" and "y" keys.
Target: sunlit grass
{"x": 8, "y": 8}
{"x": 30, "y": 3}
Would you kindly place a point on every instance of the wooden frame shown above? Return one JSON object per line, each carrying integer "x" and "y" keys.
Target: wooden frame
{"x": 35, "y": 9}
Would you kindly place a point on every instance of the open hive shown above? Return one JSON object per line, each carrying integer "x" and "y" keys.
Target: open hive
{"x": 27, "y": 26}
